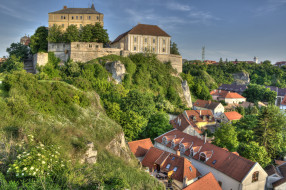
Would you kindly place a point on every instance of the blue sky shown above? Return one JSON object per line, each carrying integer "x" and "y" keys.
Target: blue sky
{"x": 229, "y": 29}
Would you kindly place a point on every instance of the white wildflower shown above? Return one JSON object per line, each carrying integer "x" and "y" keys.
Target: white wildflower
{"x": 25, "y": 169}
{"x": 32, "y": 168}
{"x": 43, "y": 162}
{"x": 23, "y": 174}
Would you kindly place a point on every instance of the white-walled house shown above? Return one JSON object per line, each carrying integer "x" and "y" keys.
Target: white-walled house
{"x": 230, "y": 170}
{"x": 216, "y": 107}
{"x": 227, "y": 96}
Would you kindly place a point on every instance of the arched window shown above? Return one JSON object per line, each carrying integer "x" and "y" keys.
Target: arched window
{"x": 255, "y": 176}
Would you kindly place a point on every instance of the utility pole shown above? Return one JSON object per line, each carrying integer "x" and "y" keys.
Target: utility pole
{"x": 203, "y": 54}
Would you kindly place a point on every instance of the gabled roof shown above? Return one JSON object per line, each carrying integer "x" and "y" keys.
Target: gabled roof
{"x": 226, "y": 94}
{"x": 270, "y": 170}
{"x": 206, "y": 104}
{"x": 221, "y": 160}
{"x": 77, "y": 11}
{"x": 139, "y": 148}
{"x": 183, "y": 166}
{"x": 207, "y": 182}
{"x": 279, "y": 162}
{"x": 198, "y": 114}
{"x": 184, "y": 123}
{"x": 143, "y": 29}
{"x": 282, "y": 169}
{"x": 233, "y": 115}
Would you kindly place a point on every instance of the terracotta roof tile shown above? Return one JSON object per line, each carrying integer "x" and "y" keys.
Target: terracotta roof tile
{"x": 207, "y": 182}
{"x": 144, "y": 29}
{"x": 206, "y": 104}
{"x": 221, "y": 160}
{"x": 181, "y": 123}
{"x": 226, "y": 94}
{"x": 279, "y": 162}
{"x": 198, "y": 115}
{"x": 139, "y": 148}
{"x": 282, "y": 169}
{"x": 151, "y": 156}
{"x": 233, "y": 115}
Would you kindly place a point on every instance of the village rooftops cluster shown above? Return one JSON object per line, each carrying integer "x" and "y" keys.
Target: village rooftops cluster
{"x": 213, "y": 156}
{"x": 207, "y": 182}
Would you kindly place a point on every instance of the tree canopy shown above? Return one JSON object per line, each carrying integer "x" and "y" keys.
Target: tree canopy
{"x": 174, "y": 49}
{"x": 19, "y": 50}
{"x": 39, "y": 41}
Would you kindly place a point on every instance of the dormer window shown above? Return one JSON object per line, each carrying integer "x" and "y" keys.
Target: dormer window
{"x": 255, "y": 176}
{"x": 182, "y": 148}
{"x": 165, "y": 140}
{"x": 191, "y": 153}
{"x": 173, "y": 144}
{"x": 202, "y": 157}
{"x": 194, "y": 118}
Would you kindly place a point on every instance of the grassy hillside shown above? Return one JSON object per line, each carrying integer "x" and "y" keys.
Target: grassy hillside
{"x": 45, "y": 127}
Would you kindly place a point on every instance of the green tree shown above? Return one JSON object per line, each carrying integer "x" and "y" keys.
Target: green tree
{"x": 71, "y": 34}
{"x": 226, "y": 137}
{"x": 56, "y": 34}
{"x": 174, "y": 48}
{"x": 255, "y": 93}
{"x": 270, "y": 131}
{"x": 86, "y": 34}
{"x": 100, "y": 34}
{"x": 253, "y": 151}
{"x": 158, "y": 124}
{"x": 133, "y": 124}
{"x": 39, "y": 41}
{"x": 13, "y": 63}
{"x": 19, "y": 50}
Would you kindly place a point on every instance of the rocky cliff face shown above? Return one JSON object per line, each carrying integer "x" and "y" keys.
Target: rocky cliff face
{"x": 241, "y": 78}
{"x": 187, "y": 93}
{"x": 119, "y": 147}
{"x": 117, "y": 69}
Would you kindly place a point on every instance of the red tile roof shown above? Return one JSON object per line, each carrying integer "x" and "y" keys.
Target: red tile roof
{"x": 144, "y": 29}
{"x": 198, "y": 115}
{"x": 207, "y": 182}
{"x": 221, "y": 160}
{"x": 233, "y": 115}
{"x": 279, "y": 162}
{"x": 206, "y": 104}
{"x": 284, "y": 101}
{"x": 184, "y": 123}
{"x": 139, "y": 148}
{"x": 183, "y": 166}
{"x": 226, "y": 94}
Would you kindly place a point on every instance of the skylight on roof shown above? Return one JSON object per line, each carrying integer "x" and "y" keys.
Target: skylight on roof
{"x": 168, "y": 166}
{"x": 173, "y": 158}
{"x": 214, "y": 162}
{"x": 175, "y": 169}
{"x": 190, "y": 168}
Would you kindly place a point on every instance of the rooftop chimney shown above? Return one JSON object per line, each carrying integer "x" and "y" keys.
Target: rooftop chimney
{"x": 65, "y": 7}
{"x": 178, "y": 152}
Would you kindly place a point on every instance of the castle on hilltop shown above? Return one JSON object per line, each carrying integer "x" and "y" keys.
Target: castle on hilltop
{"x": 140, "y": 39}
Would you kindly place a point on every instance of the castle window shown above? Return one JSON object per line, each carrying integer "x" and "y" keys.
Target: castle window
{"x": 164, "y": 42}
{"x": 76, "y": 17}
{"x": 145, "y": 40}
{"x": 135, "y": 39}
{"x": 97, "y": 17}
{"x": 62, "y": 17}
{"x": 72, "y": 17}
{"x": 134, "y": 48}
{"x": 154, "y": 41}
{"x": 80, "y": 17}
{"x": 164, "y": 50}
{"x": 90, "y": 45}
{"x": 153, "y": 49}
{"x": 89, "y": 17}
{"x": 255, "y": 176}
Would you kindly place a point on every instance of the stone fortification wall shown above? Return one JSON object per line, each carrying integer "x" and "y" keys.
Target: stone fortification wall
{"x": 176, "y": 61}
{"x": 61, "y": 50}
{"x": 40, "y": 59}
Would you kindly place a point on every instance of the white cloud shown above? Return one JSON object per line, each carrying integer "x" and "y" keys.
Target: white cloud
{"x": 178, "y": 6}
{"x": 19, "y": 14}
{"x": 271, "y": 6}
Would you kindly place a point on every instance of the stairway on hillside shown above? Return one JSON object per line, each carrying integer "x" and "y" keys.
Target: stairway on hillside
{"x": 28, "y": 66}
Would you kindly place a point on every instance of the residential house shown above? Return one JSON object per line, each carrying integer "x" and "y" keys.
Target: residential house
{"x": 276, "y": 177}
{"x": 174, "y": 166}
{"x": 233, "y": 88}
{"x": 140, "y": 148}
{"x": 216, "y": 107}
{"x": 201, "y": 118}
{"x": 144, "y": 38}
{"x": 207, "y": 182}
{"x": 230, "y": 170}
{"x": 227, "y": 96}
{"x": 280, "y": 64}
{"x": 230, "y": 116}
{"x": 183, "y": 123}
{"x": 75, "y": 16}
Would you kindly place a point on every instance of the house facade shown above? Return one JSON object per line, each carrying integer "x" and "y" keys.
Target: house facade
{"x": 144, "y": 38}
{"x": 216, "y": 107}
{"x": 75, "y": 16}
{"x": 201, "y": 118}
{"x": 227, "y": 96}
{"x": 230, "y": 170}
{"x": 230, "y": 116}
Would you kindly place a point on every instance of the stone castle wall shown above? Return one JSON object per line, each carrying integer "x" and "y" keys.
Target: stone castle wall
{"x": 86, "y": 51}
{"x": 40, "y": 59}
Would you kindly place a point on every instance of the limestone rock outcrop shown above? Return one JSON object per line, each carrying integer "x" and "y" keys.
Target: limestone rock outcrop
{"x": 241, "y": 78}
{"x": 187, "y": 93}
{"x": 90, "y": 155}
{"x": 119, "y": 147}
{"x": 117, "y": 69}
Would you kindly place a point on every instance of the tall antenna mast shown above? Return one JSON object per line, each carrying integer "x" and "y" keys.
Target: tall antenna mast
{"x": 203, "y": 54}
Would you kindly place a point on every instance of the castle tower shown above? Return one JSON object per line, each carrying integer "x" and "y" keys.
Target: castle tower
{"x": 255, "y": 59}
